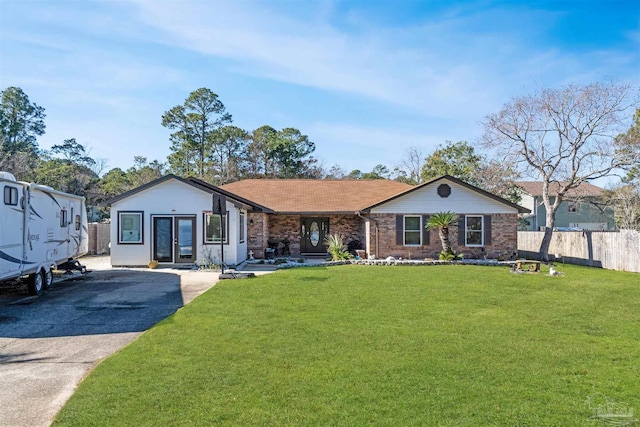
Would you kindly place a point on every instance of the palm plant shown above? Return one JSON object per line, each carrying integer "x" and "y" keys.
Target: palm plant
{"x": 336, "y": 248}
{"x": 442, "y": 221}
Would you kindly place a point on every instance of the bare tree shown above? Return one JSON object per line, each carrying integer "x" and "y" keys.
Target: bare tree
{"x": 410, "y": 167}
{"x": 624, "y": 199}
{"x": 564, "y": 136}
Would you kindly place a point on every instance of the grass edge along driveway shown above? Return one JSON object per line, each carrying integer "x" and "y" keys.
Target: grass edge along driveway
{"x": 358, "y": 345}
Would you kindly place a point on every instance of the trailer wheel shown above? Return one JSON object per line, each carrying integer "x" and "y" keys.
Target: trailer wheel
{"x": 36, "y": 283}
{"x": 48, "y": 279}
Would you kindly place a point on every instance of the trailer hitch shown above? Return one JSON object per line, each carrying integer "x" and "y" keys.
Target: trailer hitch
{"x": 73, "y": 264}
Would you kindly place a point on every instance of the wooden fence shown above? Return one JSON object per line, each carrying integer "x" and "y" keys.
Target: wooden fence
{"x": 99, "y": 238}
{"x": 607, "y": 249}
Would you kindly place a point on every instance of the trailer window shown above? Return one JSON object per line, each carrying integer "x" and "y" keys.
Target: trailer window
{"x": 77, "y": 222}
{"x": 63, "y": 218}
{"x": 130, "y": 227}
{"x": 10, "y": 196}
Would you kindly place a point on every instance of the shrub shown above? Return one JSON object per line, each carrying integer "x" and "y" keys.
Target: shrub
{"x": 336, "y": 248}
{"x": 449, "y": 256}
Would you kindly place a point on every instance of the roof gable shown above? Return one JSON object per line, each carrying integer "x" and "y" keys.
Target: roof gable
{"x": 307, "y": 196}
{"x": 444, "y": 179}
{"x": 192, "y": 182}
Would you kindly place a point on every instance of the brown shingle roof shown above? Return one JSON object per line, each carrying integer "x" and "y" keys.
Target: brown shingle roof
{"x": 585, "y": 189}
{"x": 315, "y": 196}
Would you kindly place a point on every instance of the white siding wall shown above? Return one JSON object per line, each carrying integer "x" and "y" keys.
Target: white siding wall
{"x": 528, "y": 202}
{"x": 427, "y": 200}
{"x": 171, "y": 198}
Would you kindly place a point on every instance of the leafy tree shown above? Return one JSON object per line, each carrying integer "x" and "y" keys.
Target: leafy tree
{"x": 457, "y": 159}
{"x": 201, "y": 114}
{"x": 73, "y": 152}
{"x": 378, "y": 172}
{"x": 259, "y": 161}
{"x": 629, "y": 143}
{"x": 114, "y": 183}
{"x": 565, "y": 136}
{"x": 290, "y": 150}
{"x": 354, "y": 174}
{"x": 442, "y": 221}
{"x": 21, "y": 122}
{"x": 143, "y": 172}
{"x": 72, "y": 173}
{"x": 229, "y": 153}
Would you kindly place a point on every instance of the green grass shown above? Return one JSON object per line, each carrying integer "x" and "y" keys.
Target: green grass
{"x": 388, "y": 346}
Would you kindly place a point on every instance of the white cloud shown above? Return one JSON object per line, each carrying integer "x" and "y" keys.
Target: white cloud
{"x": 429, "y": 78}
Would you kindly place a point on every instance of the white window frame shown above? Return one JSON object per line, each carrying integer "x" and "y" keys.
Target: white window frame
{"x": 241, "y": 232}
{"x": 467, "y": 231}
{"x": 135, "y": 217}
{"x": 225, "y": 229}
{"x": 404, "y": 230}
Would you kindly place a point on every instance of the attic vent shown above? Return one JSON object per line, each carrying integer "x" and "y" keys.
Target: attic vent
{"x": 444, "y": 190}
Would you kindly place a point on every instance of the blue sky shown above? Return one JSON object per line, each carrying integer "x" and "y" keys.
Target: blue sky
{"x": 365, "y": 80}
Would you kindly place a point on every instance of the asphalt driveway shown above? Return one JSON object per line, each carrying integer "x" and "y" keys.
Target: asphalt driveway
{"x": 49, "y": 343}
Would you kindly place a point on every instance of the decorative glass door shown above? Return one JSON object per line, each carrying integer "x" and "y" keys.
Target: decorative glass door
{"x": 313, "y": 232}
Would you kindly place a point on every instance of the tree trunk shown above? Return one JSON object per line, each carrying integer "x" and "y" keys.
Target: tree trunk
{"x": 543, "y": 254}
{"x": 548, "y": 231}
{"x": 444, "y": 238}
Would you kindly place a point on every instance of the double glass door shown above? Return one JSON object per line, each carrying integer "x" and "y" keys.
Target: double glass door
{"x": 174, "y": 239}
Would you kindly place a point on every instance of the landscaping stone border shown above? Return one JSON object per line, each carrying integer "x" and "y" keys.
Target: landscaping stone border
{"x": 485, "y": 262}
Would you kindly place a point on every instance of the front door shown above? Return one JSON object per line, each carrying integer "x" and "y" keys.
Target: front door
{"x": 174, "y": 239}
{"x": 313, "y": 233}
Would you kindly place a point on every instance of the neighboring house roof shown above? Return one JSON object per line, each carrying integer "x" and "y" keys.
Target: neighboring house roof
{"x": 520, "y": 209}
{"x": 534, "y": 188}
{"x": 302, "y": 196}
{"x": 193, "y": 182}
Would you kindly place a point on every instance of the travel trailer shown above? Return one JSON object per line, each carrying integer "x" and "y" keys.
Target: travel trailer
{"x": 40, "y": 229}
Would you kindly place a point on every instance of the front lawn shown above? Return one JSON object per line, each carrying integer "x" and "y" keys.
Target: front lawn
{"x": 391, "y": 346}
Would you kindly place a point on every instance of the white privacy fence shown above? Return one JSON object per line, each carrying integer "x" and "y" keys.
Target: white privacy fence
{"x": 607, "y": 249}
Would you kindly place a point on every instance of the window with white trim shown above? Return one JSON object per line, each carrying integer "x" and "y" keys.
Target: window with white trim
{"x": 213, "y": 230}
{"x": 412, "y": 230}
{"x": 242, "y": 223}
{"x": 474, "y": 230}
{"x": 130, "y": 227}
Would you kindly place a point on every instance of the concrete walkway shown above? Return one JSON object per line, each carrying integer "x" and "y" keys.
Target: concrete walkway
{"x": 48, "y": 344}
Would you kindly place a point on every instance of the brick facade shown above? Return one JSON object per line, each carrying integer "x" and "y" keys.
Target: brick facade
{"x": 504, "y": 236}
{"x": 263, "y": 228}
{"x": 268, "y": 227}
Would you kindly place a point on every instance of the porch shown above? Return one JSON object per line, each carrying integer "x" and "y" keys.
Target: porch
{"x": 303, "y": 235}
